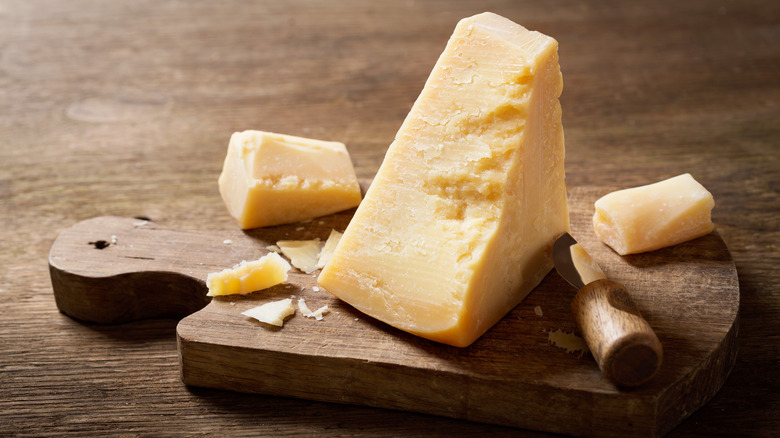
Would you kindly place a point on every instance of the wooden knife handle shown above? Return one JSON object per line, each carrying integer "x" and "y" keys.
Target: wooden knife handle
{"x": 624, "y": 345}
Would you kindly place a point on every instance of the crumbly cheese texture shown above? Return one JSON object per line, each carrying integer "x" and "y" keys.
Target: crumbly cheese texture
{"x": 272, "y": 313}
{"x": 654, "y": 216}
{"x": 271, "y": 179}
{"x": 458, "y": 224}
{"x": 247, "y": 277}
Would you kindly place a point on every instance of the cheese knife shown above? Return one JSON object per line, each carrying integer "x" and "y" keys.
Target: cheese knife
{"x": 624, "y": 345}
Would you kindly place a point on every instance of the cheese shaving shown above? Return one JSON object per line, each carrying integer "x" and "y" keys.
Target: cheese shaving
{"x": 317, "y": 314}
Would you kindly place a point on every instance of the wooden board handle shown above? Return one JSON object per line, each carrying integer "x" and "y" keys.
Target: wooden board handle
{"x": 112, "y": 270}
{"x": 622, "y": 342}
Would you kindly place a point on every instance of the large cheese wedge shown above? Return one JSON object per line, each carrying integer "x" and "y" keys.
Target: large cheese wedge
{"x": 654, "y": 216}
{"x": 458, "y": 224}
{"x": 271, "y": 179}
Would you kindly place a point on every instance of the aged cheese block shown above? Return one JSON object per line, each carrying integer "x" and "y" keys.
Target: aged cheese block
{"x": 458, "y": 224}
{"x": 654, "y": 216}
{"x": 246, "y": 277}
{"x": 271, "y": 179}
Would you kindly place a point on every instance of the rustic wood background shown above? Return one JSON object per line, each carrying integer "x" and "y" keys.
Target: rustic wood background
{"x": 125, "y": 108}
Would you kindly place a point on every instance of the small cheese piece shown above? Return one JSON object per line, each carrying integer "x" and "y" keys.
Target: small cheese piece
{"x": 328, "y": 248}
{"x": 458, "y": 224}
{"x": 247, "y": 277}
{"x": 317, "y": 314}
{"x": 271, "y": 179}
{"x": 654, "y": 216}
{"x": 303, "y": 254}
{"x": 567, "y": 341}
{"x": 272, "y": 313}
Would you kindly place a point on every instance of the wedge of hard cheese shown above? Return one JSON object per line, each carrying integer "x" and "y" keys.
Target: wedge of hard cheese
{"x": 654, "y": 216}
{"x": 271, "y": 179}
{"x": 458, "y": 224}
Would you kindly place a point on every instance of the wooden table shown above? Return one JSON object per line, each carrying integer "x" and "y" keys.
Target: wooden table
{"x": 125, "y": 108}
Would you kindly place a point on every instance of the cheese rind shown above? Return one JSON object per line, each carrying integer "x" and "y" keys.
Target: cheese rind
{"x": 654, "y": 216}
{"x": 458, "y": 224}
{"x": 247, "y": 277}
{"x": 272, "y": 179}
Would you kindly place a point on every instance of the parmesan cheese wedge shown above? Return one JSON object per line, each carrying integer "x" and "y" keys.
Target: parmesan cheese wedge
{"x": 272, "y": 313}
{"x": 459, "y": 222}
{"x": 247, "y": 277}
{"x": 654, "y": 216}
{"x": 271, "y": 179}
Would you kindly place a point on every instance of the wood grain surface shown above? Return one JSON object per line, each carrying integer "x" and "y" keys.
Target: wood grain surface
{"x": 125, "y": 109}
{"x": 689, "y": 293}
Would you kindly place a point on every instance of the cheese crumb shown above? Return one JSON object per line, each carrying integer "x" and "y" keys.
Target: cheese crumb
{"x": 567, "y": 341}
{"x": 317, "y": 314}
{"x": 538, "y": 311}
{"x": 272, "y": 313}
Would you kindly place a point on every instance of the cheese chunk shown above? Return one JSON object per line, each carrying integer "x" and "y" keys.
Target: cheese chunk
{"x": 271, "y": 179}
{"x": 458, "y": 224}
{"x": 272, "y": 313}
{"x": 303, "y": 254}
{"x": 654, "y": 216}
{"x": 247, "y": 277}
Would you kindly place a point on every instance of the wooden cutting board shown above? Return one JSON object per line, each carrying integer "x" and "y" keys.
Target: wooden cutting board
{"x": 112, "y": 270}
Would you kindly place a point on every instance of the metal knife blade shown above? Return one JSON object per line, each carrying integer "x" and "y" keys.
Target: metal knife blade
{"x": 624, "y": 345}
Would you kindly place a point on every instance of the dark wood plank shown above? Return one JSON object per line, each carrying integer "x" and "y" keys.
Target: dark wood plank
{"x": 125, "y": 108}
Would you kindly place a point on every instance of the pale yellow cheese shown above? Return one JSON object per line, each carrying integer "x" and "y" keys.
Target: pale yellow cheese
{"x": 271, "y": 179}
{"x": 458, "y": 224}
{"x": 585, "y": 266}
{"x": 329, "y": 248}
{"x": 303, "y": 254}
{"x": 317, "y": 314}
{"x": 654, "y": 216}
{"x": 247, "y": 277}
{"x": 272, "y": 313}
